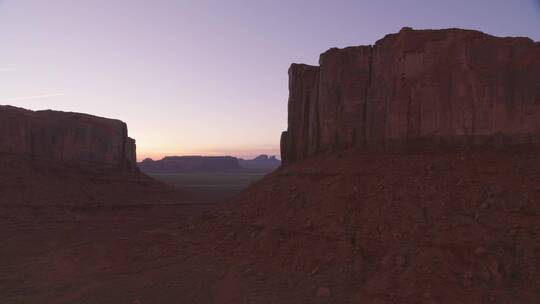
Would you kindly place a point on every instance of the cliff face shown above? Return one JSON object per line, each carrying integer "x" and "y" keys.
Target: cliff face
{"x": 418, "y": 89}
{"x": 70, "y": 138}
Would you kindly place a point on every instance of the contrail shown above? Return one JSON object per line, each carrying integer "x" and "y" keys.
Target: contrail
{"x": 30, "y": 97}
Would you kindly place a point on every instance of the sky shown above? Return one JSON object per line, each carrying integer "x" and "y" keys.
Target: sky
{"x": 204, "y": 77}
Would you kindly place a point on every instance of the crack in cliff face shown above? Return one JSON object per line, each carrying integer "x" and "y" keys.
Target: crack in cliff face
{"x": 366, "y": 96}
{"x": 123, "y": 159}
{"x": 316, "y": 132}
{"x": 306, "y": 122}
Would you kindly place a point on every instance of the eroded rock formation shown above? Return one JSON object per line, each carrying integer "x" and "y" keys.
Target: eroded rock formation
{"x": 70, "y": 138}
{"x": 417, "y": 89}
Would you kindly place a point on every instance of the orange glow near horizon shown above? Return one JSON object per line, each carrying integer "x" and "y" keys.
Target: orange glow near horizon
{"x": 246, "y": 154}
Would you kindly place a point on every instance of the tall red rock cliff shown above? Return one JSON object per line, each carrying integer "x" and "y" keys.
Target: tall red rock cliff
{"x": 70, "y": 138}
{"x": 417, "y": 89}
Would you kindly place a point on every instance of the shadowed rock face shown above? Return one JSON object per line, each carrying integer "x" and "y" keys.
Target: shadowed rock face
{"x": 418, "y": 89}
{"x": 70, "y": 138}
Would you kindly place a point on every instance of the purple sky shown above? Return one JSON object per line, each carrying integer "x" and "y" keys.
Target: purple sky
{"x": 203, "y": 77}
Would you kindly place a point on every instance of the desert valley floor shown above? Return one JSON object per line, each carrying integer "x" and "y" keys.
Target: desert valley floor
{"x": 326, "y": 230}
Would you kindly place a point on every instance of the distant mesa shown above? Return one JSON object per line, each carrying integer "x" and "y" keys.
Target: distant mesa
{"x": 184, "y": 164}
{"x": 208, "y": 164}
{"x": 261, "y": 162}
{"x": 416, "y": 90}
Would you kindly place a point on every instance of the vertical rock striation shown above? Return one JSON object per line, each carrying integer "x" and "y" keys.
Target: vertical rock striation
{"x": 417, "y": 89}
{"x": 301, "y": 138}
{"x": 70, "y": 138}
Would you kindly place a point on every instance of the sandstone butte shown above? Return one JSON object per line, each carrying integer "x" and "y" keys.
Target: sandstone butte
{"x": 69, "y": 138}
{"x": 52, "y": 158}
{"x": 416, "y": 90}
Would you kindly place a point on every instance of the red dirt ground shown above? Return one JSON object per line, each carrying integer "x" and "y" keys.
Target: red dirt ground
{"x": 341, "y": 228}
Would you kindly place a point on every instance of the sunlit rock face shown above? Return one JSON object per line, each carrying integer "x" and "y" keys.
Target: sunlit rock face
{"x": 71, "y": 138}
{"x": 417, "y": 89}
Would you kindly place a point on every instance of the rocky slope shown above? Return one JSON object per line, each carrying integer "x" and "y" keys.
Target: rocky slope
{"x": 354, "y": 227}
{"x": 417, "y": 89}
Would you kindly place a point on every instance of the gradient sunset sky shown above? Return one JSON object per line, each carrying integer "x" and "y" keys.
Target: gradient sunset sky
{"x": 204, "y": 77}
